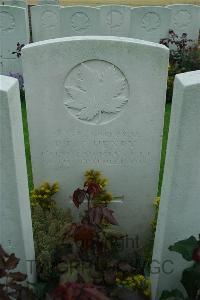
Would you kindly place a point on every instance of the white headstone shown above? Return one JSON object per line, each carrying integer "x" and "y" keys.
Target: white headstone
{"x": 15, "y": 216}
{"x": 45, "y": 20}
{"x": 150, "y": 23}
{"x": 20, "y": 3}
{"x": 102, "y": 108}
{"x": 79, "y": 20}
{"x": 185, "y": 19}
{"x": 115, "y": 20}
{"x": 179, "y": 209}
{"x": 13, "y": 29}
{"x": 51, "y": 2}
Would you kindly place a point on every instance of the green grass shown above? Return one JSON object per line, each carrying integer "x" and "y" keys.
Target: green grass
{"x": 28, "y": 155}
{"x": 164, "y": 144}
{"x": 27, "y": 146}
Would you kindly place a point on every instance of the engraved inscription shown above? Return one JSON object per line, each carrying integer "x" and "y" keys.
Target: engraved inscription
{"x": 182, "y": 19}
{"x": 7, "y": 21}
{"x": 96, "y": 92}
{"x": 106, "y": 147}
{"x": 80, "y": 21}
{"x": 114, "y": 19}
{"x": 49, "y": 20}
{"x": 151, "y": 21}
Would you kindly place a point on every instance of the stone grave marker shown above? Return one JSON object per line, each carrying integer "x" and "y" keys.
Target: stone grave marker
{"x": 150, "y": 23}
{"x": 79, "y": 20}
{"x": 185, "y": 19}
{"x": 13, "y": 29}
{"x": 15, "y": 216}
{"x": 115, "y": 20}
{"x": 45, "y": 20}
{"x": 102, "y": 108}
{"x": 179, "y": 207}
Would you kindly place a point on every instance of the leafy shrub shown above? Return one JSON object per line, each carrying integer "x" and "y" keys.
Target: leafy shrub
{"x": 48, "y": 223}
{"x": 79, "y": 258}
{"x": 184, "y": 57}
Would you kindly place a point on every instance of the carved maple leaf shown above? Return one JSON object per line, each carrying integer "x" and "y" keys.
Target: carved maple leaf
{"x": 151, "y": 21}
{"x": 80, "y": 21}
{"x": 97, "y": 92}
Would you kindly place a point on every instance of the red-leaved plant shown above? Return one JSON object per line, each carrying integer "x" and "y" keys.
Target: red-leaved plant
{"x": 87, "y": 257}
{"x": 11, "y": 286}
{"x": 74, "y": 291}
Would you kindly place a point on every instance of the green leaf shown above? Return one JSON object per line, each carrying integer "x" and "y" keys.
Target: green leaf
{"x": 191, "y": 280}
{"x": 185, "y": 247}
{"x": 174, "y": 294}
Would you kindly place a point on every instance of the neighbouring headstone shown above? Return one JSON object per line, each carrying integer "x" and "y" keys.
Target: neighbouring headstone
{"x": 13, "y": 29}
{"x": 79, "y": 20}
{"x": 185, "y": 19}
{"x": 102, "y": 107}
{"x": 19, "y": 3}
{"x": 179, "y": 207}
{"x": 150, "y": 23}
{"x": 115, "y": 20}
{"x": 15, "y": 216}
{"x": 45, "y": 20}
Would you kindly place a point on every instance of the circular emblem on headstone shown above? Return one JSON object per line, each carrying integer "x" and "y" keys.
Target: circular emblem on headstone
{"x": 96, "y": 92}
{"x": 114, "y": 19}
{"x": 80, "y": 21}
{"x": 151, "y": 21}
{"x": 49, "y": 20}
{"x": 182, "y": 19}
{"x": 7, "y": 21}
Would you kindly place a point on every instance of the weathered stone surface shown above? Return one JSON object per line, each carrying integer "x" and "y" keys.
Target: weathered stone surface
{"x": 185, "y": 19}
{"x": 115, "y": 20}
{"x": 102, "y": 108}
{"x": 150, "y": 23}
{"x": 15, "y": 217}
{"x": 79, "y": 20}
{"x": 179, "y": 209}
{"x": 19, "y": 3}
{"x": 45, "y": 20}
{"x": 13, "y": 29}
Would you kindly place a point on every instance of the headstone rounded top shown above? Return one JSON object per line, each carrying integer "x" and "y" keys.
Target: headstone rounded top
{"x": 7, "y": 21}
{"x": 189, "y": 78}
{"x": 7, "y": 82}
{"x": 95, "y": 39}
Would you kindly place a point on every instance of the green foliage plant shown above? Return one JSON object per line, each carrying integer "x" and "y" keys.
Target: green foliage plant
{"x": 48, "y": 223}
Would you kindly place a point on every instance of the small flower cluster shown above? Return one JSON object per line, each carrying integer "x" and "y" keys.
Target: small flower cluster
{"x": 137, "y": 283}
{"x": 42, "y": 196}
{"x": 156, "y": 204}
{"x": 104, "y": 197}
